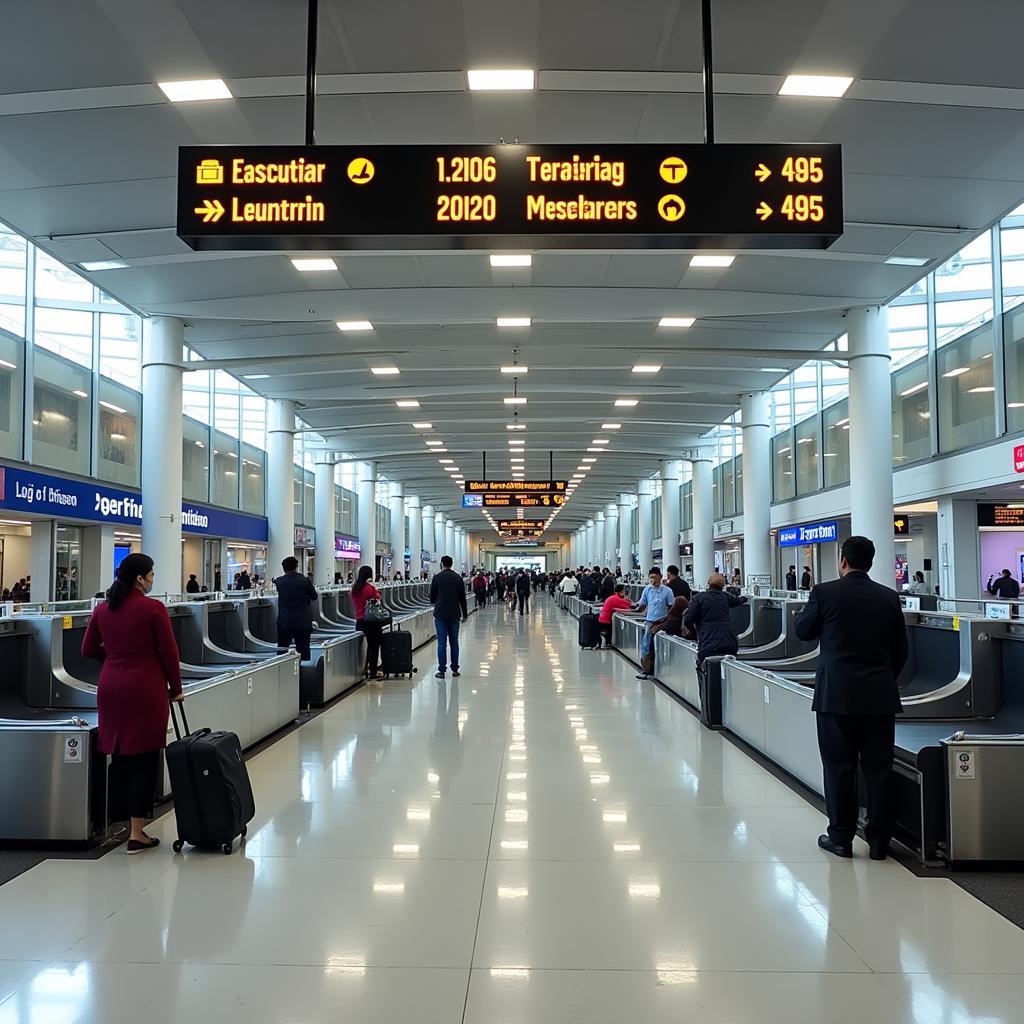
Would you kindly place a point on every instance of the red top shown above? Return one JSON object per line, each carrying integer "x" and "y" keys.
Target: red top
{"x": 359, "y": 600}
{"x": 140, "y": 663}
{"x": 613, "y": 604}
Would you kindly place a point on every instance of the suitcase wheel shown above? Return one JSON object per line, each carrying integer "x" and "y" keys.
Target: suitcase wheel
{"x": 177, "y": 845}
{"x": 227, "y": 848}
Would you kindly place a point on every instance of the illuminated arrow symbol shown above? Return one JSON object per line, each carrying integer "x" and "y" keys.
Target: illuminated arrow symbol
{"x": 764, "y": 211}
{"x": 762, "y": 173}
{"x": 212, "y": 210}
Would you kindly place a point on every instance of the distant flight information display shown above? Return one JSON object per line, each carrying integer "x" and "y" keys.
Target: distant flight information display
{"x": 507, "y": 500}
{"x": 551, "y": 196}
{"x": 532, "y": 525}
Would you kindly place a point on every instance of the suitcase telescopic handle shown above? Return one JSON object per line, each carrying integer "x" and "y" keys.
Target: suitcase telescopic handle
{"x": 175, "y": 707}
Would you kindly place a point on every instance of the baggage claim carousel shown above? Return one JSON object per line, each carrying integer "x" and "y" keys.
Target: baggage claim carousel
{"x": 52, "y": 776}
{"x": 958, "y": 783}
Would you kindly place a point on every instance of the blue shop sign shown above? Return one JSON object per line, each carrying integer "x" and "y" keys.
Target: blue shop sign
{"x": 816, "y": 533}
{"x": 23, "y": 490}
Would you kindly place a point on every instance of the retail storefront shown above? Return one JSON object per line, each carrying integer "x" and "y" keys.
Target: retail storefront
{"x": 1001, "y": 541}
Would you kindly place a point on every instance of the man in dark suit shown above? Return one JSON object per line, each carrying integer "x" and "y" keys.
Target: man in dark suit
{"x": 863, "y": 638}
{"x": 448, "y": 596}
{"x": 295, "y": 596}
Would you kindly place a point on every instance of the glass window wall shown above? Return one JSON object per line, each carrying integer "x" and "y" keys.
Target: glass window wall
{"x": 225, "y": 470}
{"x": 1013, "y": 333}
{"x": 61, "y": 414}
{"x": 911, "y": 412}
{"x": 783, "y": 485}
{"x": 120, "y": 418}
{"x": 195, "y": 460}
{"x": 836, "y": 444}
{"x": 253, "y": 472}
{"x": 807, "y": 456}
{"x": 13, "y": 264}
{"x": 12, "y": 391}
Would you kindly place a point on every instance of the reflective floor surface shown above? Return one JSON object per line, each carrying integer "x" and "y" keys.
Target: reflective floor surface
{"x": 544, "y": 840}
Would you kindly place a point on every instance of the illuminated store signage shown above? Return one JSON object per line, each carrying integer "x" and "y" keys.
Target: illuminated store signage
{"x": 346, "y": 547}
{"x": 1018, "y": 458}
{"x": 1001, "y": 515}
{"x": 816, "y": 533}
{"x": 733, "y": 196}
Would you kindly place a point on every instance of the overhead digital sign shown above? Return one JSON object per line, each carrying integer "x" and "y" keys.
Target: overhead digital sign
{"x": 816, "y": 533}
{"x": 488, "y": 500}
{"x": 515, "y": 486}
{"x": 521, "y": 524}
{"x": 592, "y": 195}
{"x": 1001, "y": 515}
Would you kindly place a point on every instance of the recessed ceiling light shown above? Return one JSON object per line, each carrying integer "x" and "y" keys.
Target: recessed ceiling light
{"x": 589, "y": 459}
{"x": 832, "y": 86}
{"x": 914, "y": 390}
{"x": 600, "y": 440}
{"x": 120, "y": 411}
{"x": 515, "y": 369}
{"x": 446, "y": 462}
{"x": 79, "y": 393}
{"x": 626, "y": 403}
{"x": 957, "y": 371}
{"x": 435, "y": 444}
{"x": 407, "y": 403}
{"x": 595, "y": 449}
{"x": 611, "y": 426}
{"x": 384, "y": 371}
{"x": 647, "y": 368}
{"x": 513, "y": 321}
{"x": 95, "y": 265}
{"x": 423, "y": 426}
{"x": 497, "y": 79}
{"x": 708, "y": 260}
{"x": 971, "y": 391}
{"x": 197, "y": 89}
{"x": 676, "y": 321}
{"x": 515, "y": 400}
{"x": 516, "y": 444}
{"x": 516, "y": 461}
{"x": 311, "y": 264}
{"x": 515, "y": 426}
{"x": 255, "y": 376}
{"x": 906, "y": 261}
{"x": 511, "y": 260}
{"x": 354, "y": 325}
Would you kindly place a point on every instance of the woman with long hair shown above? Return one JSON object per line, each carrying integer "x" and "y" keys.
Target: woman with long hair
{"x": 132, "y": 636}
{"x": 363, "y": 590}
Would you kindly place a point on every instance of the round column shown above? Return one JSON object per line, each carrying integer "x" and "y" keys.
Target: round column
{"x": 671, "y": 481}
{"x": 626, "y": 532}
{"x": 449, "y": 543}
{"x": 589, "y": 546}
{"x": 366, "y": 495}
{"x": 396, "y": 502}
{"x": 412, "y": 503}
{"x": 428, "y": 536}
{"x": 438, "y": 540}
{"x": 600, "y": 544}
{"x": 644, "y": 540}
{"x": 871, "y": 492}
{"x": 162, "y": 369}
{"x": 755, "y": 414}
{"x": 611, "y": 533}
{"x": 325, "y": 506}
{"x": 280, "y": 484}
{"x": 703, "y": 522}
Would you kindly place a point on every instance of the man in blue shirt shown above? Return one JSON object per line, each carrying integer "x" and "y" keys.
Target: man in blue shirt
{"x": 656, "y": 599}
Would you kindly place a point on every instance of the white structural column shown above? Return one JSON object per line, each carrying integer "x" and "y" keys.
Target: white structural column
{"x": 438, "y": 540}
{"x": 396, "y": 501}
{"x": 644, "y": 540}
{"x": 600, "y": 547}
{"x": 871, "y": 498}
{"x": 280, "y": 484}
{"x": 412, "y": 503}
{"x": 590, "y": 544}
{"x": 366, "y": 495}
{"x": 626, "y": 531}
{"x": 428, "y": 536}
{"x": 671, "y": 481}
{"x": 703, "y": 521}
{"x": 611, "y": 528}
{"x": 449, "y": 541}
{"x": 162, "y": 370}
{"x": 755, "y": 412}
{"x": 325, "y": 507}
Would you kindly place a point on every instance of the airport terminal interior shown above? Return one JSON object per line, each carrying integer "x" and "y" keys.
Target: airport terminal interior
{"x": 561, "y": 291}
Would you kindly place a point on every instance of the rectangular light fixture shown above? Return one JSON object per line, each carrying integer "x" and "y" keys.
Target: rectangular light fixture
{"x": 6, "y": 365}
{"x": 906, "y": 261}
{"x": 515, "y": 426}
{"x": 611, "y": 426}
{"x": 447, "y": 462}
{"x": 79, "y": 393}
{"x": 914, "y": 390}
{"x": 311, "y": 264}
{"x": 407, "y": 403}
{"x": 626, "y": 403}
{"x": 384, "y": 371}
{"x": 435, "y": 444}
{"x": 595, "y": 449}
{"x": 515, "y": 369}
{"x": 676, "y": 321}
{"x": 500, "y": 79}
{"x": 516, "y": 444}
{"x": 423, "y": 426}
{"x": 709, "y": 260}
{"x": 600, "y": 440}
{"x": 513, "y": 321}
{"x": 647, "y": 368}
{"x": 354, "y": 325}
{"x": 972, "y": 391}
{"x": 957, "y": 371}
{"x": 515, "y": 461}
{"x": 511, "y": 260}
{"x": 255, "y": 376}
{"x": 589, "y": 459}
{"x": 120, "y": 411}
{"x": 831, "y": 86}
{"x": 95, "y": 265}
{"x": 197, "y": 89}
{"x": 515, "y": 400}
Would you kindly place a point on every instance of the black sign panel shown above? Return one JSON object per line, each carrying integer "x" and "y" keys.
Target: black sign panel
{"x": 521, "y": 524}
{"x": 515, "y": 486}
{"x": 1001, "y": 515}
{"x": 618, "y": 195}
{"x": 900, "y": 525}
{"x": 487, "y": 500}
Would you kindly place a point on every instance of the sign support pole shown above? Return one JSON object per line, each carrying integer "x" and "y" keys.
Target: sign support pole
{"x": 311, "y": 39}
{"x": 709, "y": 82}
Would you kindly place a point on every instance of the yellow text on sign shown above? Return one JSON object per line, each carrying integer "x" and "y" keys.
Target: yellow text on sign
{"x": 671, "y": 208}
{"x": 360, "y": 171}
{"x": 673, "y": 169}
{"x": 68, "y": 622}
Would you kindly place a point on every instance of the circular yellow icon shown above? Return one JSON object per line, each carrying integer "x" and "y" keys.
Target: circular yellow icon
{"x": 671, "y": 208}
{"x": 673, "y": 169}
{"x": 360, "y": 171}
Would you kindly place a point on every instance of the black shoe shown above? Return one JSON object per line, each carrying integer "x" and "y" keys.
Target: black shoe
{"x": 642, "y": 675}
{"x": 456, "y": 673}
{"x": 878, "y": 851}
{"x": 439, "y": 675}
{"x": 136, "y": 846}
{"x": 837, "y": 849}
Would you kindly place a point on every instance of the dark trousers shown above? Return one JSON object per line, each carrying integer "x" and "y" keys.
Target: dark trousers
{"x": 372, "y": 631}
{"x": 481, "y": 598}
{"x": 447, "y": 637}
{"x": 300, "y": 637}
{"x": 524, "y": 603}
{"x": 847, "y": 742}
{"x": 512, "y": 599}
{"x": 131, "y": 785}
{"x": 606, "y": 633}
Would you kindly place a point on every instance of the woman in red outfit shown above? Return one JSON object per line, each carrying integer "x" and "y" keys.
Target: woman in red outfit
{"x": 362, "y": 591}
{"x": 132, "y": 636}
{"x": 617, "y": 602}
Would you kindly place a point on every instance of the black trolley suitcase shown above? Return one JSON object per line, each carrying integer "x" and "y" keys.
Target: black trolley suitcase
{"x": 396, "y": 652}
{"x": 590, "y": 631}
{"x": 213, "y": 800}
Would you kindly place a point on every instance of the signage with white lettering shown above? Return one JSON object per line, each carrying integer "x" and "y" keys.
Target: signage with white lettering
{"x": 815, "y": 533}
{"x": 997, "y": 610}
{"x": 346, "y": 547}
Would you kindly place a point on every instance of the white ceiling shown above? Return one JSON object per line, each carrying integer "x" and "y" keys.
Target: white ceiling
{"x": 933, "y": 150}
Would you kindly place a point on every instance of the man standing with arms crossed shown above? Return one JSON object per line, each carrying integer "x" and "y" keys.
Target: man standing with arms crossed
{"x": 863, "y": 638}
{"x": 448, "y": 596}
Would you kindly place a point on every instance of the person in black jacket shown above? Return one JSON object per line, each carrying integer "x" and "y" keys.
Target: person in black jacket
{"x": 676, "y": 583}
{"x": 607, "y": 587}
{"x": 523, "y": 592}
{"x": 860, "y": 627}
{"x": 245, "y": 580}
{"x": 708, "y": 616}
{"x": 192, "y": 587}
{"x": 295, "y": 597}
{"x": 791, "y": 578}
{"x": 1004, "y": 586}
{"x": 448, "y": 596}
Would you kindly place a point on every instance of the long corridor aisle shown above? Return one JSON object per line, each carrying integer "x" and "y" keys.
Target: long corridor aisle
{"x": 544, "y": 840}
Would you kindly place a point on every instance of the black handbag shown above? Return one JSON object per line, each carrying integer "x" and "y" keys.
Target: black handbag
{"x": 376, "y": 613}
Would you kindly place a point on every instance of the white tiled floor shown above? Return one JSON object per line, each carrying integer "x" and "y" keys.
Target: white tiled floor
{"x": 549, "y": 841}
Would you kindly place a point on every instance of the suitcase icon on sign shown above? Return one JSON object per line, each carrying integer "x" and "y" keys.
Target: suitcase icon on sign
{"x": 210, "y": 172}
